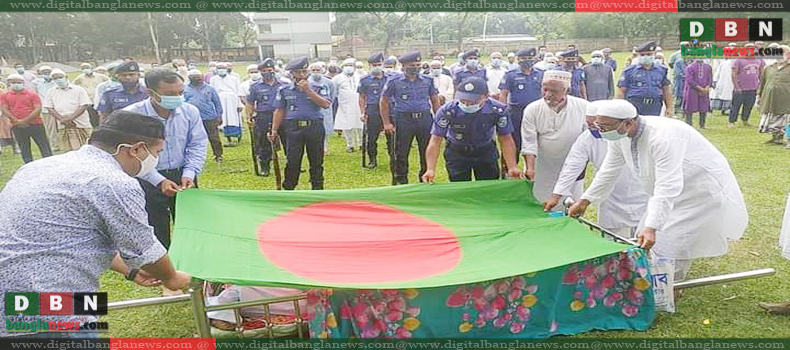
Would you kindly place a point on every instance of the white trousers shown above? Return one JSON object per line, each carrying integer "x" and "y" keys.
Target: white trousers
{"x": 353, "y": 137}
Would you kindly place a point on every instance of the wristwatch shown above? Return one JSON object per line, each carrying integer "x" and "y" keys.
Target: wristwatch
{"x": 132, "y": 274}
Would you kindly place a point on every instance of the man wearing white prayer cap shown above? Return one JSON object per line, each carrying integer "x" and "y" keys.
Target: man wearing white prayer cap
{"x": 253, "y": 76}
{"x": 348, "y": 115}
{"x": 621, "y": 212}
{"x": 549, "y": 127}
{"x": 695, "y": 203}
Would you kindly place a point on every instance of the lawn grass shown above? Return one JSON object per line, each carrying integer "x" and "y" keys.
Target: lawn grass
{"x": 730, "y": 307}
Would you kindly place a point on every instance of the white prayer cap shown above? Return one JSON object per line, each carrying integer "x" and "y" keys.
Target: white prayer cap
{"x": 350, "y": 61}
{"x": 252, "y": 67}
{"x": 558, "y": 75}
{"x": 57, "y": 71}
{"x": 222, "y": 64}
{"x": 315, "y": 65}
{"x": 100, "y": 69}
{"x": 497, "y": 54}
{"x": 511, "y": 54}
{"x": 785, "y": 48}
{"x": 597, "y": 52}
{"x": 658, "y": 48}
{"x": 15, "y": 76}
{"x": 436, "y": 63}
{"x": 547, "y": 55}
{"x": 194, "y": 72}
{"x": 617, "y": 109}
{"x": 44, "y": 68}
{"x": 592, "y": 107}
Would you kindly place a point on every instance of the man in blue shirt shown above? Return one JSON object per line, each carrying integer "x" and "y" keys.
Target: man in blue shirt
{"x": 261, "y": 100}
{"x": 298, "y": 109}
{"x": 608, "y": 60}
{"x": 184, "y": 151}
{"x": 370, "y": 88}
{"x": 206, "y": 99}
{"x": 520, "y": 87}
{"x": 128, "y": 93}
{"x": 645, "y": 83}
{"x": 414, "y": 97}
{"x": 468, "y": 124}
{"x": 472, "y": 68}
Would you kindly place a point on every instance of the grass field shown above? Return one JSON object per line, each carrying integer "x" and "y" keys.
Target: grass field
{"x": 730, "y": 308}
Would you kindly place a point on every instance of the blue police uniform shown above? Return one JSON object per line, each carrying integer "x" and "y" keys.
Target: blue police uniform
{"x": 611, "y": 63}
{"x": 470, "y": 146}
{"x": 577, "y": 74}
{"x": 262, "y": 96}
{"x": 523, "y": 89}
{"x": 372, "y": 87}
{"x": 480, "y": 72}
{"x": 304, "y": 129}
{"x": 412, "y": 116}
{"x": 118, "y": 98}
{"x": 644, "y": 87}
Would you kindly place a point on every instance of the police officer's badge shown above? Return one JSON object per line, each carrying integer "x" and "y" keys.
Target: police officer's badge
{"x": 520, "y": 86}
{"x": 469, "y": 87}
{"x": 404, "y": 97}
{"x": 459, "y": 137}
{"x": 443, "y": 122}
{"x": 502, "y": 122}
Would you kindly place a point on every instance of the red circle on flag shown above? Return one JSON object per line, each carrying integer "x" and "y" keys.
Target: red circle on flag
{"x": 358, "y": 242}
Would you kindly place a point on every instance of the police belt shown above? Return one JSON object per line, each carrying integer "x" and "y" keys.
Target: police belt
{"x": 646, "y": 100}
{"x": 470, "y": 149}
{"x": 303, "y": 123}
{"x": 417, "y": 115}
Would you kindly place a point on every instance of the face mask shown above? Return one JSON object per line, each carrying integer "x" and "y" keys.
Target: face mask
{"x": 20, "y": 70}
{"x": 222, "y": 72}
{"x": 196, "y": 81}
{"x": 597, "y": 60}
{"x": 170, "y": 102}
{"x": 526, "y": 63}
{"x": 267, "y": 76}
{"x": 44, "y": 76}
{"x": 612, "y": 135}
{"x": 569, "y": 63}
{"x": 277, "y": 76}
{"x": 348, "y": 70}
{"x": 496, "y": 62}
{"x": 255, "y": 76}
{"x": 550, "y": 66}
{"x": 595, "y": 133}
{"x": 87, "y": 71}
{"x": 192, "y": 67}
{"x": 469, "y": 109}
{"x": 647, "y": 60}
{"x": 388, "y": 70}
{"x": 61, "y": 82}
{"x": 471, "y": 63}
{"x": 316, "y": 76}
{"x": 17, "y": 86}
{"x": 376, "y": 70}
{"x": 436, "y": 72}
{"x": 410, "y": 70}
{"x": 147, "y": 165}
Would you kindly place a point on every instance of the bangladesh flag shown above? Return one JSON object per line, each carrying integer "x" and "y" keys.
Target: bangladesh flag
{"x": 411, "y": 236}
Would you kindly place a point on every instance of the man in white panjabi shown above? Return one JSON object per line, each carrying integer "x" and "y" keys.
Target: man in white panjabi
{"x": 695, "y": 202}
{"x": 228, "y": 88}
{"x": 442, "y": 82}
{"x": 622, "y": 211}
{"x": 348, "y": 114}
{"x": 548, "y": 130}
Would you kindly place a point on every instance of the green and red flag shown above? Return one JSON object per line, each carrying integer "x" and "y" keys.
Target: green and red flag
{"x": 411, "y": 236}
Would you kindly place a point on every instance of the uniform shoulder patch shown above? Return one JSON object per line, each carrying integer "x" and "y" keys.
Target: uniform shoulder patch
{"x": 502, "y": 122}
{"x": 443, "y": 122}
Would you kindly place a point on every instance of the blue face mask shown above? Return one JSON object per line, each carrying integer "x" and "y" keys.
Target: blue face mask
{"x": 222, "y": 72}
{"x": 44, "y": 76}
{"x": 471, "y": 63}
{"x": 496, "y": 62}
{"x": 17, "y": 86}
{"x": 170, "y": 102}
{"x": 469, "y": 109}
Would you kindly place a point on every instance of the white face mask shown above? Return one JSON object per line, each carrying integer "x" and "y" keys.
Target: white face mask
{"x": 147, "y": 165}
{"x": 469, "y": 109}
{"x": 87, "y": 71}
{"x": 597, "y": 60}
{"x": 255, "y": 76}
{"x": 349, "y": 70}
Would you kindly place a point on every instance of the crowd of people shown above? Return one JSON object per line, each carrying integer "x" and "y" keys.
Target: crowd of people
{"x": 654, "y": 181}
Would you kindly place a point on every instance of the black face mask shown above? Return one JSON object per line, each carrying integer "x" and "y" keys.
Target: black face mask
{"x": 267, "y": 76}
{"x": 410, "y": 70}
{"x": 526, "y": 63}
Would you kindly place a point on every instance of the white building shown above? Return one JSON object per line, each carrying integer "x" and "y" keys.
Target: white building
{"x": 293, "y": 34}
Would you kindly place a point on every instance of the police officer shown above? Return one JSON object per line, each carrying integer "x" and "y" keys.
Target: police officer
{"x": 521, "y": 87}
{"x": 570, "y": 64}
{"x": 128, "y": 93}
{"x": 261, "y": 99}
{"x": 468, "y": 123}
{"x": 645, "y": 83}
{"x": 370, "y": 88}
{"x": 472, "y": 68}
{"x": 298, "y": 108}
{"x": 414, "y": 98}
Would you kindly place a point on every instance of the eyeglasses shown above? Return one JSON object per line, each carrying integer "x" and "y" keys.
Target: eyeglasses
{"x": 605, "y": 128}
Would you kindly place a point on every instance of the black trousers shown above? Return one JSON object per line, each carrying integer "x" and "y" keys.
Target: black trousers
{"x": 745, "y": 99}
{"x": 463, "y": 161}
{"x": 647, "y": 105}
{"x": 407, "y": 128}
{"x": 23, "y": 134}
{"x": 301, "y": 136}
{"x": 160, "y": 208}
{"x": 94, "y": 117}
{"x": 263, "y": 148}
{"x": 375, "y": 127}
{"x": 516, "y": 116}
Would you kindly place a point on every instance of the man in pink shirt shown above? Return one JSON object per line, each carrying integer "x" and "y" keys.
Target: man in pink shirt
{"x": 22, "y": 107}
{"x": 746, "y": 79}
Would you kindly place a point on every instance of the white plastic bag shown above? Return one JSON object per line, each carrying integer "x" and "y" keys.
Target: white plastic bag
{"x": 662, "y": 273}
